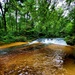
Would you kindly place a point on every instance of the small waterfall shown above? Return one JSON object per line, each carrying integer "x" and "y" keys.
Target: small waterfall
{"x": 59, "y": 41}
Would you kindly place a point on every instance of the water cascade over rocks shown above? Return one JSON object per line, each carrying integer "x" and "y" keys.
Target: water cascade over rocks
{"x": 59, "y": 41}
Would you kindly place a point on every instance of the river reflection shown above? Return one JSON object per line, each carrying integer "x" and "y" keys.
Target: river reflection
{"x": 36, "y": 59}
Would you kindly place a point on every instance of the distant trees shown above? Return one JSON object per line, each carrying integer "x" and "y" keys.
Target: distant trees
{"x": 72, "y": 19}
{"x": 35, "y": 18}
{"x": 4, "y": 9}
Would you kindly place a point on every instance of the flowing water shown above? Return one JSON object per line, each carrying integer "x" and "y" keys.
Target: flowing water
{"x": 36, "y": 59}
{"x": 59, "y": 41}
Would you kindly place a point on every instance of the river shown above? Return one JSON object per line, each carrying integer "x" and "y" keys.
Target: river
{"x": 24, "y": 58}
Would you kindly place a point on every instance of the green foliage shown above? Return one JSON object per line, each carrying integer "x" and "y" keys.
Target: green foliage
{"x": 12, "y": 37}
{"x": 32, "y": 19}
{"x": 68, "y": 28}
{"x": 70, "y": 39}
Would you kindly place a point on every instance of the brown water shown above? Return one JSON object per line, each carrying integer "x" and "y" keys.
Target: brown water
{"x": 37, "y": 59}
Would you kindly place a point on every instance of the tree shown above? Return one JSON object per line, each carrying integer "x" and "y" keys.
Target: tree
{"x": 4, "y": 10}
{"x": 72, "y": 19}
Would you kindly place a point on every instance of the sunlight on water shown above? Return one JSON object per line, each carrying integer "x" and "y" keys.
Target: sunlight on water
{"x": 13, "y": 44}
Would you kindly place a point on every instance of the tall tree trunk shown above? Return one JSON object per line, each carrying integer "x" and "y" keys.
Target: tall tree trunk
{"x": 16, "y": 19}
{"x": 12, "y": 28}
{"x": 3, "y": 15}
{"x": 5, "y": 27}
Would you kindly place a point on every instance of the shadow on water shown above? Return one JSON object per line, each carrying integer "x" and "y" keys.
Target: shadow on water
{"x": 21, "y": 48}
{"x": 9, "y": 50}
{"x": 37, "y": 59}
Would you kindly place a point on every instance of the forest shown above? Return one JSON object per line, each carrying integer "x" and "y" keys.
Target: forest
{"x": 25, "y": 20}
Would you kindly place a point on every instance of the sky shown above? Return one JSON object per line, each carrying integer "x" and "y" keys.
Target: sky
{"x": 60, "y": 3}
{"x": 1, "y": 1}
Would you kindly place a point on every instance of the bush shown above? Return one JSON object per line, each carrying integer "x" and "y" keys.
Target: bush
{"x": 20, "y": 38}
{"x": 70, "y": 40}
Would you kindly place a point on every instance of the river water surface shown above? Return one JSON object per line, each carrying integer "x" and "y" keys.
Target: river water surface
{"x": 36, "y": 59}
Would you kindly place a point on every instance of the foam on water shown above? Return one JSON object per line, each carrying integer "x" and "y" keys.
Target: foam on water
{"x": 59, "y": 41}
